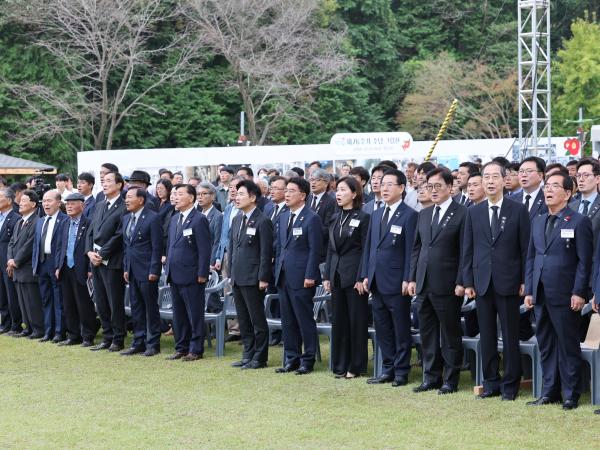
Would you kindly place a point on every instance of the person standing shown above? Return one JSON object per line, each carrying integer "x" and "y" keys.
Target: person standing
{"x": 297, "y": 255}
{"x": 465, "y": 170}
{"x": 105, "y": 252}
{"x": 85, "y": 186}
{"x": 321, "y": 203}
{"x": 436, "y": 279}
{"x": 250, "y": 270}
{"x": 347, "y": 239}
{"x": 206, "y": 196}
{"x": 72, "y": 271}
{"x": 11, "y": 319}
{"x": 557, "y": 278}
{"x": 531, "y": 176}
{"x": 494, "y": 253}
{"x": 187, "y": 269}
{"x": 142, "y": 252}
{"x": 376, "y": 201}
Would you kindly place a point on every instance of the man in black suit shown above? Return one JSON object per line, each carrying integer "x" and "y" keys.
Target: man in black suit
{"x": 531, "y": 175}
{"x": 105, "y": 251}
{"x": 588, "y": 181}
{"x": 465, "y": 170}
{"x": 376, "y": 202}
{"x": 247, "y": 173}
{"x": 72, "y": 270}
{"x": 206, "y": 193}
{"x": 250, "y": 270}
{"x": 494, "y": 254}
{"x": 142, "y": 252}
{"x": 20, "y": 250}
{"x": 141, "y": 179}
{"x": 321, "y": 203}
{"x": 10, "y": 313}
{"x": 85, "y": 186}
{"x": 436, "y": 278}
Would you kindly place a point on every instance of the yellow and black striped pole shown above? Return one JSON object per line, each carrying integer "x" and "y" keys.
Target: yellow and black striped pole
{"x": 443, "y": 128}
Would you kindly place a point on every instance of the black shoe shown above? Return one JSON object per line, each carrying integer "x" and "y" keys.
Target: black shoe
{"x": 241, "y": 363}
{"x": 544, "y": 401}
{"x": 151, "y": 351}
{"x": 569, "y": 404}
{"x": 67, "y": 342}
{"x": 597, "y": 411}
{"x": 287, "y": 368}
{"x": 400, "y": 381}
{"x": 115, "y": 347}
{"x": 87, "y": 343}
{"x": 44, "y": 338}
{"x": 339, "y": 375}
{"x": 22, "y": 334}
{"x": 303, "y": 370}
{"x": 380, "y": 380}
{"x": 132, "y": 351}
{"x": 447, "y": 389}
{"x": 254, "y": 365}
{"x": 12, "y": 333}
{"x": 192, "y": 357}
{"x": 38, "y": 336}
{"x": 104, "y": 345}
{"x": 489, "y": 394}
{"x": 424, "y": 387}
{"x": 233, "y": 337}
{"x": 176, "y": 355}
{"x": 57, "y": 339}
{"x": 4, "y": 330}
{"x": 509, "y": 397}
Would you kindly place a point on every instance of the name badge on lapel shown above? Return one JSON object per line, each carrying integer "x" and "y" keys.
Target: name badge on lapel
{"x": 354, "y": 223}
{"x": 188, "y": 232}
{"x": 567, "y": 233}
{"x": 297, "y": 231}
{"x": 251, "y": 231}
{"x": 396, "y": 229}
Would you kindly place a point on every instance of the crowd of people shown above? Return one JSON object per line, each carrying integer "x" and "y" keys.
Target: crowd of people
{"x": 518, "y": 238}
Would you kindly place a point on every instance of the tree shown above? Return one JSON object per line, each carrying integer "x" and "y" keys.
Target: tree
{"x": 487, "y": 100}
{"x": 278, "y": 55}
{"x": 576, "y": 78}
{"x": 103, "y": 47}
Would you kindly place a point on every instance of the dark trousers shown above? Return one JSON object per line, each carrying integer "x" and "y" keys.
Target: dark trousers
{"x": 506, "y": 308}
{"x": 109, "y": 292}
{"x": 10, "y": 313}
{"x": 441, "y": 338}
{"x": 557, "y": 334}
{"x": 143, "y": 296}
{"x": 80, "y": 315}
{"x": 391, "y": 315}
{"x": 31, "y": 306}
{"x": 298, "y": 324}
{"x": 51, "y": 299}
{"x": 249, "y": 304}
{"x": 188, "y": 317}
{"x": 350, "y": 330}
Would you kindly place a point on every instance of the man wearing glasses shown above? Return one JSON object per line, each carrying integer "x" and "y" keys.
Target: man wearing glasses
{"x": 322, "y": 204}
{"x": 531, "y": 175}
{"x": 588, "y": 179}
{"x": 557, "y": 279}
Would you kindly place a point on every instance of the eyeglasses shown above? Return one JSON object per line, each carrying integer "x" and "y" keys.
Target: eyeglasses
{"x": 273, "y": 188}
{"x": 584, "y": 175}
{"x": 436, "y": 186}
{"x": 527, "y": 171}
{"x": 291, "y": 191}
{"x": 389, "y": 185}
{"x": 315, "y": 179}
{"x": 552, "y": 187}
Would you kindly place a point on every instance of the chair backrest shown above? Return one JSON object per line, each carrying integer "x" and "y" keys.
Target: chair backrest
{"x": 269, "y": 298}
{"x": 165, "y": 302}
{"x": 321, "y": 308}
{"x": 592, "y": 338}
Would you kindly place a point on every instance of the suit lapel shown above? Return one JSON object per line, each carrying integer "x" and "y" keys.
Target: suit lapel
{"x": 391, "y": 221}
{"x": 7, "y": 221}
{"x": 447, "y": 217}
{"x": 186, "y": 222}
{"x": 537, "y": 204}
{"x": 505, "y": 212}
{"x": 138, "y": 224}
{"x": 594, "y": 208}
{"x": 297, "y": 224}
{"x": 484, "y": 219}
{"x": 563, "y": 218}
{"x": 332, "y": 234}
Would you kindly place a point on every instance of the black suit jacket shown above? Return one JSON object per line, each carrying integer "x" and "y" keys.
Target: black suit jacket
{"x": 88, "y": 207}
{"x": 105, "y": 231}
{"x": 538, "y": 207}
{"x": 501, "y": 258}
{"x": 251, "y": 250}
{"x": 82, "y": 262}
{"x": 20, "y": 248}
{"x": 436, "y": 260}
{"x": 458, "y": 197}
{"x": 325, "y": 210}
{"x": 344, "y": 252}
{"x": 6, "y": 233}
{"x": 142, "y": 253}
{"x": 593, "y": 214}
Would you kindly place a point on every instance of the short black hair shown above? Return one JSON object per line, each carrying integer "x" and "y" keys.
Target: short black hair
{"x": 573, "y": 162}
{"x": 316, "y": 163}
{"x": 277, "y": 178}
{"x": 188, "y": 189}
{"x": 502, "y": 160}
{"x": 298, "y": 170}
{"x": 444, "y": 173}
{"x": 32, "y": 195}
{"x": 474, "y": 174}
{"x": 196, "y": 178}
{"x": 274, "y": 171}
{"x": 590, "y": 162}
{"x": 87, "y": 177}
{"x": 251, "y": 187}
{"x": 227, "y": 169}
{"x": 110, "y": 166}
{"x": 539, "y": 162}
{"x": 514, "y": 166}
{"x": 388, "y": 163}
{"x": 140, "y": 192}
{"x": 302, "y": 184}
{"x": 425, "y": 167}
{"x": 62, "y": 177}
{"x": 248, "y": 170}
{"x": 567, "y": 181}
{"x": 379, "y": 168}
{"x": 361, "y": 172}
{"x": 471, "y": 167}
{"x": 557, "y": 166}
{"x": 400, "y": 177}
{"x": 18, "y": 187}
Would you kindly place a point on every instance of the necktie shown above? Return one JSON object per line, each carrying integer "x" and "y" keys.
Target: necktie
{"x": 71, "y": 243}
{"x": 314, "y": 203}
{"x": 242, "y": 226}
{"x": 378, "y": 203}
{"x": 275, "y": 211}
{"x": 290, "y": 224}
{"x": 463, "y": 199}
{"x": 179, "y": 228}
{"x": 527, "y": 198}
{"x": 384, "y": 221}
{"x": 131, "y": 227}
{"x": 550, "y": 227}
{"x": 43, "y": 239}
{"x": 435, "y": 222}
{"x": 586, "y": 207}
{"x": 494, "y": 224}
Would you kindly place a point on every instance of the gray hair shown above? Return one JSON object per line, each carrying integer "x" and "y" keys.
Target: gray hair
{"x": 208, "y": 186}
{"x": 321, "y": 174}
{"x": 8, "y": 193}
{"x": 290, "y": 174}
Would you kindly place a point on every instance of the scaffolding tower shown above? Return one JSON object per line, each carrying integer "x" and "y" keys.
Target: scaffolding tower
{"x": 534, "y": 79}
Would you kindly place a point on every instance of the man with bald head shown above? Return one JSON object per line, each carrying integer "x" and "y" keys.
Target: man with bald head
{"x": 46, "y": 242}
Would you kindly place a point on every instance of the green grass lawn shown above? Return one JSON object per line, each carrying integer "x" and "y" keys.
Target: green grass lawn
{"x": 57, "y": 397}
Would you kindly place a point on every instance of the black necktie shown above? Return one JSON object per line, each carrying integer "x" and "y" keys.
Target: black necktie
{"x": 463, "y": 199}
{"x": 550, "y": 227}
{"x": 314, "y": 203}
{"x": 275, "y": 211}
{"x": 131, "y": 227}
{"x": 384, "y": 221}
{"x": 43, "y": 240}
{"x": 243, "y": 224}
{"x": 290, "y": 224}
{"x": 378, "y": 203}
{"x": 527, "y": 198}
{"x": 179, "y": 228}
{"x": 436, "y": 220}
{"x": 494, "y": 224}
{"x": 586, "y": 207}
